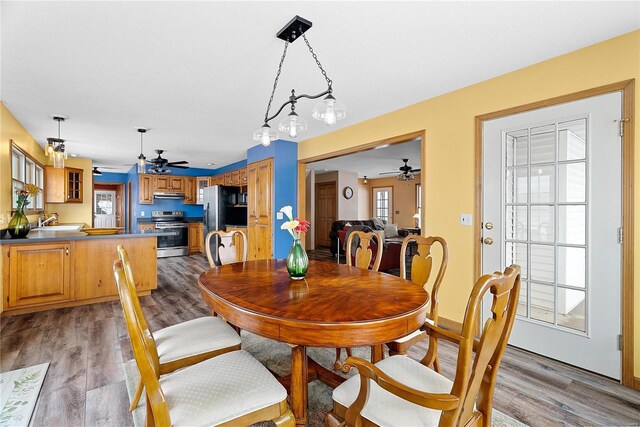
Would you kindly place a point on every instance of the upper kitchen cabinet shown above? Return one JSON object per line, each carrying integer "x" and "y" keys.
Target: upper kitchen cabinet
{"x": 202, "y": 182}
{"x": 174, "y": 184}
{"x": 189, "y": 190}
{"x": 63, "y": 185}
{"x": 243, "y": 177}
{"x": 145, "y": 193}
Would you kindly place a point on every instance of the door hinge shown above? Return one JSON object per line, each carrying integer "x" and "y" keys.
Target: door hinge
{"x": 620, "y": 235}
{"x": 619, "y": 342}
{"x": 621, "y": 123}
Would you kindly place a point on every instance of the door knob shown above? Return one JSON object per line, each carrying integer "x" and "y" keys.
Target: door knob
{"x": 489, "y": 225}
{"x": 488, "y": 241}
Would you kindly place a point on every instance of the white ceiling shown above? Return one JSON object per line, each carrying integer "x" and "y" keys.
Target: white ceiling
{"x": 372, "y": 162}
{"x": 199, "y": 73}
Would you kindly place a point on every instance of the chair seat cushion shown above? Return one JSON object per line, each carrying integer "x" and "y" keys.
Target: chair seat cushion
{"x": 194, "y": 337}
{"x": 219, "y": 390}
{"x": 387, "y": 409}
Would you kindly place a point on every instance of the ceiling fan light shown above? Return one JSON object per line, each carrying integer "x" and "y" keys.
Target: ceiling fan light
{"x": 293, "y": 125}
{"x": 329, "y": 111}
{"x": 265, "y": 135}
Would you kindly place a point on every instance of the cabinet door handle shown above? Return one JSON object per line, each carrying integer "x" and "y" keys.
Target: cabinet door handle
{"x": 66, "y": 251}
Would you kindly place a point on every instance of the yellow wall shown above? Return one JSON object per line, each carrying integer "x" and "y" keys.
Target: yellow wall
{"x": 404, "y": 199}
{"x": 448, "y": 160}
{"x": 11, "y": 129}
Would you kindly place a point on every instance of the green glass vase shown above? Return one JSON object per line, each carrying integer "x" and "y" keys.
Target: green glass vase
{"x": 297, "y": 261}
{"x": 19, "y": 225}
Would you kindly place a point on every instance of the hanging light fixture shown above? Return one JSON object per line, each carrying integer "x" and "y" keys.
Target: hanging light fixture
{"x": 142, "y": 160}
{"x": 96, "y": 172}
{"x": 55, "y": 146}
{"x": 365, "y": 181}
{"x": 329, "y": 111}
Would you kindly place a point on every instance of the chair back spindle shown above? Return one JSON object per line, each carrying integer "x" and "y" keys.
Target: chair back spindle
{"x": 364, "y": 253}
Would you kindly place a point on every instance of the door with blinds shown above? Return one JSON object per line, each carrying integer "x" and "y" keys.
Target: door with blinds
{"x": 552, "y": 203}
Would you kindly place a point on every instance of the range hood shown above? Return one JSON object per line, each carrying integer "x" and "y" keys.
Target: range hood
{"x": 175, "y": 196}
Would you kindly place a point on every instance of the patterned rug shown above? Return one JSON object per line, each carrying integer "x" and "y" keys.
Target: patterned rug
{"x": 19, "y": 392}
{"x": 276, "y": 356}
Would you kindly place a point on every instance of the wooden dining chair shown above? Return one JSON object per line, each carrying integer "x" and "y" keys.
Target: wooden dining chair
{"x": 421, "y": 269}
{"x": 183, "y": 344}
{"x": 363, "y": 253}
{"x": 230, "y": 389}
{"x": 400, "y": 391}
{"x": 227, "y": 249}
{"x": 363, "y": 258}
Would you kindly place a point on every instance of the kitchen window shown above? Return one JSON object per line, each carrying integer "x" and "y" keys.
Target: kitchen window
{"x": 25, "y": 170}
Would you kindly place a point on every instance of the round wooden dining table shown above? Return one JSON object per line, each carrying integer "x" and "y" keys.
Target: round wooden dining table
{"x": 334, "y": 306}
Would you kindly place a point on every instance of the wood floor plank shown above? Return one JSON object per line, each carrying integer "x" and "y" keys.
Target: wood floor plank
{"x": 107, "y": 406}
{"x": 104, "y": 358}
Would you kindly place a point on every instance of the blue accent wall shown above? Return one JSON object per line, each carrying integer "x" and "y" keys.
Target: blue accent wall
{"x": 285, "y": 175}
{"x": 233, "y": 166}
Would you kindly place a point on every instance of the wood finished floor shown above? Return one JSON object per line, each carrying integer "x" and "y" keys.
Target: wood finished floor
{"x": 87, "y": 345}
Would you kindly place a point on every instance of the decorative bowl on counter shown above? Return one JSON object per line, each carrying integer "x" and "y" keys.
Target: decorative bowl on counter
{"x": 101, "y": 231}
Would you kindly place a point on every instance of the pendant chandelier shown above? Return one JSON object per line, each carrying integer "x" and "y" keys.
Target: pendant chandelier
{"x": 55, "y": 146}
{"x": 328, "y": 111}
{"x": 142, "y": 160}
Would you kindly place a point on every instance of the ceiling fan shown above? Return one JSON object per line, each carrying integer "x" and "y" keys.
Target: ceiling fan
{"x": 162, "y": 165}
{"x": 406, "y": 172}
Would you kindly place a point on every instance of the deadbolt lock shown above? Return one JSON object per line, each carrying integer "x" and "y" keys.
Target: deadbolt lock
{"x": 488, "y": 241}
{"x": 488, "y": 226}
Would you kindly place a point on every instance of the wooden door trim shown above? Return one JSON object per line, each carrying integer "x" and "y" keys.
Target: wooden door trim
{"x": 119, "y": 189}
{"x": 627, "y": 88}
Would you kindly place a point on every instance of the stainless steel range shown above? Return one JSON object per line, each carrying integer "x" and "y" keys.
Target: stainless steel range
{"x": 178, "y": 244}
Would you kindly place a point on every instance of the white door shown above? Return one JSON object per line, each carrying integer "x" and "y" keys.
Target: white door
{"x": 383, "y": 203}
{"x": 104, "y": 208}
{"x": 552, "y": 203}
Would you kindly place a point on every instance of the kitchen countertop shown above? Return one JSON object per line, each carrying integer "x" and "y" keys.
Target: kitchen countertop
{"x": 57, "y": 236}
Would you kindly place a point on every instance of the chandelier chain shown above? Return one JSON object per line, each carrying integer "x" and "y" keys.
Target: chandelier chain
{"x": 324, "y": 73}
{"x": 275, "y": 82}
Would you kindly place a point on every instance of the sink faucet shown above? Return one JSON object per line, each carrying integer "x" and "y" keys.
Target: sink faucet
{"x": 42, "y": 223}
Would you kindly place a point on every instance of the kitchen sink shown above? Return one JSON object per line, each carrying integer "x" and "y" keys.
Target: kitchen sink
{"x": 66, "y": 227}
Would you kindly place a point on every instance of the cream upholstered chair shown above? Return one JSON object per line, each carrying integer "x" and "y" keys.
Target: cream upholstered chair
{"x": 363, "y": 258}
{"x": 227, "y": 249}
{"x": 399, "y": 391}
{"x": 421, "y": 268}
{"x": 183, "y": 344}
{"x": 230, "y": 389}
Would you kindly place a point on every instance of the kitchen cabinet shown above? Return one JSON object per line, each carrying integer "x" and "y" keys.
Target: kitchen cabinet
{"x": 243, "y": 177}
{"x": 196, "y": 237}
{"x": 259, "y": 208}
{"x": 143, "y": 227}
{"x": 145, "y": 189}
{"x": 238, "y": 241}
{"x": 63, "y": 185}
{"x": 169, "y": 183}
{"x": 39, "y": 274}
{"x": 202, "y": 182}
{"x": 189, "y": 190}
{"x": 42, "y": 276}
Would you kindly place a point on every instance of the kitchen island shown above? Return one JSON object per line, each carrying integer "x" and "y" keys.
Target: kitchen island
{"x": 55, "y": 269}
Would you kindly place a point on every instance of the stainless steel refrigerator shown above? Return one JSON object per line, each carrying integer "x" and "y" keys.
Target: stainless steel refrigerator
{"x": 221, "y": 210}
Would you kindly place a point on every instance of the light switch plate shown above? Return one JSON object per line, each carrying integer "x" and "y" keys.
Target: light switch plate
{"x": 141, "y": 213}
{"x": 279, "y": 215}
{"x": 466, "y": 219}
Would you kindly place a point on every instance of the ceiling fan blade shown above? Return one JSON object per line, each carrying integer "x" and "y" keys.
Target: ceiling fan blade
{"x": 181, "y": 162}
{"x": 177, "y": 166}
{"x": 416, "y": 170}
{"x": 388, "y": 173}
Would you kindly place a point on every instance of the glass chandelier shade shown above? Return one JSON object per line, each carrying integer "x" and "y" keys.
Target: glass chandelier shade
{"x": 329, "y": 111}
{"x": 264, "y": 135}
{"x": 293, "y": 125}
{"x": 49, "y": 148}
{"x": 55, "y": 148}
{"x": 59, "y": 156}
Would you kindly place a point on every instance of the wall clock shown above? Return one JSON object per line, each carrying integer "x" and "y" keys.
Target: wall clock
{"x": 348, "y": 192}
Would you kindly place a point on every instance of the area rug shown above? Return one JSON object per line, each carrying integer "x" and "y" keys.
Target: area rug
{"x": 19, "y": 392}
{"x": 276, "y": 356}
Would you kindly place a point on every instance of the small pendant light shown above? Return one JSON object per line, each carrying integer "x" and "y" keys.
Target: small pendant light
{"x": 142, "y": 160}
